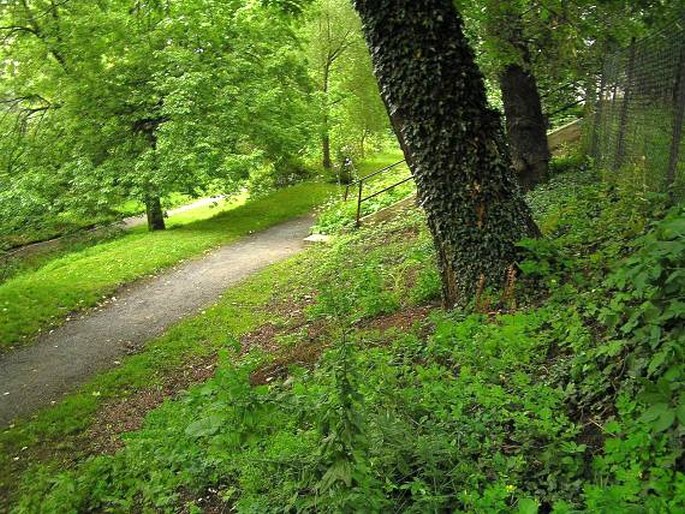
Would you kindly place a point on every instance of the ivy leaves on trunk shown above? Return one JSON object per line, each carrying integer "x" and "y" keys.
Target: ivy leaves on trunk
{"x": 452, "y": 139}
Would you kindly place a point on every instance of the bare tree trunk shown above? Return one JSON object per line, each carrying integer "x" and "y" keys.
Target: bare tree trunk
{"x": 362, "y": 143}
{"x": 326, "y": 148}
{"x": 326, "y": 136}
{"x": 452, "y": 140}
{"x": 155, "y": 215}
{"x": 526, "y": 126}
{"x": 153, "y": 206}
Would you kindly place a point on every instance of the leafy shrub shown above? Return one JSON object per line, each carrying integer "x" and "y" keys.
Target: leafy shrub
{"x": 270, "y": 177}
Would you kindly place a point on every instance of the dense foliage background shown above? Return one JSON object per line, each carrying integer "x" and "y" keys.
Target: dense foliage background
{"x": 335, "y": 381}
{"x": 104, "y": 103}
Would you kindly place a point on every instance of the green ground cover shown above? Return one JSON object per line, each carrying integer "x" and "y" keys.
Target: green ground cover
{"x": 61, "y": 432}
{"x": 36, "y": 299}
{"x": 566, "y": 396}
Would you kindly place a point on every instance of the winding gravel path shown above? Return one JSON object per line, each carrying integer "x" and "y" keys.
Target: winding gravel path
{"x": 61, "y": 360}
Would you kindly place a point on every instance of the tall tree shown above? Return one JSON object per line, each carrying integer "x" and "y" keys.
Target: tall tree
{"x": 452, "y": 140}
{"x": 546, "y": 45}
{"x": 506, "y": 52}
{"x": 119, "y": 100}
{"x": 330, "y": 32}
{"x": 359, "y": 117}
{"x": 525, "y": 122}
{"x": 551, "y": 47}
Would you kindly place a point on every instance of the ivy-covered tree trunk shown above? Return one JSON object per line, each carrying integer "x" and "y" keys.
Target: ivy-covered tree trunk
{"x": 526, "y": 125}
{"x": 453, "y": 141}
{"x": 154, "y": 212}
{"x": 326, "y": 148}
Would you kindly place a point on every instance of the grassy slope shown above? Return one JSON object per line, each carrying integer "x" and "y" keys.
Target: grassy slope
{"x": 71, "y": 223}
{"x": 32, "y": 301}
{"x": 208, "y": 211}
{"x": 497, "y": 412}
{"x": 68, "y": 222}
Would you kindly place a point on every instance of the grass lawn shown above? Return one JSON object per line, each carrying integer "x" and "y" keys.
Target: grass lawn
{"x": 32, "y": 301}
{"x": 207, "y": 211}
{"x": 69, "y": 243}
{"x": 70, "y": 223}
{"x": 378, "y": 161}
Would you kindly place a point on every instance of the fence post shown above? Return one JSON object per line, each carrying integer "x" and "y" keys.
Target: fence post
{"x": 359, "y": 203}
{"x": 623, "y": 120}
{"x": 594, "y": 149}
{"x": 678, "y": 115}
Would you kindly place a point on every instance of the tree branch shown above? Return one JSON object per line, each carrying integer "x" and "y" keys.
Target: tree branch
{"x": 18, "y": 28}
{"x": 36, "y": 30}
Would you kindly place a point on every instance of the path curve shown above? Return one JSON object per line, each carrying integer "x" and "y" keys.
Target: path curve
{"x": 136, "y": 221}
{"x": 61, "y": 360}
{"x": 126, "y": 223}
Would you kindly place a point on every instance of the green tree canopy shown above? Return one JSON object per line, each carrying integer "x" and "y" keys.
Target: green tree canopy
{"x": 112, "y": 101}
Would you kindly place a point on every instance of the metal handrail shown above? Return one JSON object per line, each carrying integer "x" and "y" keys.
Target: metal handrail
{"x": 360, "y": 200}
{"x": 387, "y": 188}
{"x": 568, "y": 85}
{"x": 366, "y": 177}
{"x": 360, "y": 187}
{"x": 567, "y": 107}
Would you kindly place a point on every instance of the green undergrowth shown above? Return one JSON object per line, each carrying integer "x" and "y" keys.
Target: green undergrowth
{"x": 568, "y": 397}
{"x": 35, "y": 300}
{"x": 59, "y": 433}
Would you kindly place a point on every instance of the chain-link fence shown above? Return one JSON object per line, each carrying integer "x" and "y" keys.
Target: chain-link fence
{"x": 638, "y": 121}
